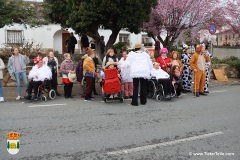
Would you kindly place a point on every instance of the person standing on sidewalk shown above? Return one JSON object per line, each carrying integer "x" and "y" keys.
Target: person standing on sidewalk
{"x": 67, "y": 67}
{"x": 2, "y": 66}
{"x": 52, "y": 62}
{"x": 17, "y": 68}
{"x": 127, "y": 80}
{"x": 84, "y": 43}
{"x": 140, "y": 70}
{"x": 89, "y": 73}
{"x": 198, "y": 65}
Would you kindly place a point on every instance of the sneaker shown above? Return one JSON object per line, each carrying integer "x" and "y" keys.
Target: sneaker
{"x": 1, "y": 99}
{"x": 126, "y": 97}
{"x": 18, "y": 98}
{"x": 35, "y": 98}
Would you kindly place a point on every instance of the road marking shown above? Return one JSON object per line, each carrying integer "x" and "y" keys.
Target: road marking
{"x": 125, "y": 151}
{"x": 48, "y": 105}
{"x": 218, "y": 91}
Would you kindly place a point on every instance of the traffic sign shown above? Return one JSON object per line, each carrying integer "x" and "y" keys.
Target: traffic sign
{"x": 212, "y": 28}
{"x": 212, "y": 36}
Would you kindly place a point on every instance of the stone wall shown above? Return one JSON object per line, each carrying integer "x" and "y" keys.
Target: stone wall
{"x": 223, "y": 52}
{"x": 231, "y": 72}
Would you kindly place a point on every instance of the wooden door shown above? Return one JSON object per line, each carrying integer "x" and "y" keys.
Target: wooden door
{"x": 64, "y": 38}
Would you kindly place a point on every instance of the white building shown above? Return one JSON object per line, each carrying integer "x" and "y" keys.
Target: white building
{"x": 53, "y": 37}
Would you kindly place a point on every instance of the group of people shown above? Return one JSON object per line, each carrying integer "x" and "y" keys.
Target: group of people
{"x": 135, "y": 69}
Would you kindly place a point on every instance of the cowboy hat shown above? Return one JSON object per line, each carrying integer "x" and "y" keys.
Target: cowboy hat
{"x": 138, "y": 45}
{"x": 72, "y": 77}
{"x": 108, "y": 64}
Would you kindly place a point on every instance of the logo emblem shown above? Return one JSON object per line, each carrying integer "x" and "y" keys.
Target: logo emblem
{"x": 13, "y": 143}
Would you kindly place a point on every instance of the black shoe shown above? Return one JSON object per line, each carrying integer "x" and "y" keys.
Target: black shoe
{"x": 57, "y": 94}
{"x": 130, "y": 96}
{"x": 28, "y": 97}
{"x": 202, "y": 93}
{"x": 95, "y": 93}
{"x": 206, "y": 91}
{"x": 126, "y": 97}
{"x": 66, "y": 97}
{"x": 133, "y": 104}
{"x": 70, "y": 96}
{"x": 189, "y": 91}
{"x": 196, "y": 94}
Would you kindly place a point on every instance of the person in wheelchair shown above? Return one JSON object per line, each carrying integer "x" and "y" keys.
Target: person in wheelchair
{"x": 162, "y": 78}
{"x": 37, "y": 75}
{"x": 176, "y": 78}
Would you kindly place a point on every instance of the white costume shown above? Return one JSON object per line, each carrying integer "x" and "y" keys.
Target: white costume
{"x": 42, "y": 73}
{"x": 159, "y": 73}
{"x": 125, "y": 71}
{"x": 140, "y": 64}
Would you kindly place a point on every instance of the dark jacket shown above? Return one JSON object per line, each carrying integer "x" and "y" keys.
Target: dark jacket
{"x": 71, "y": 41}
{"x": 79, "y": 70}
{"x": 85, "y": 41}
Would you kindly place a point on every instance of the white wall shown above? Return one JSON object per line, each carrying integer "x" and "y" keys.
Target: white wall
{"x": 50, "y": 36}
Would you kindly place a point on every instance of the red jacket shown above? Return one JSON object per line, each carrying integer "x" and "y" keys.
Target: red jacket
{"x": 163, "y": 63}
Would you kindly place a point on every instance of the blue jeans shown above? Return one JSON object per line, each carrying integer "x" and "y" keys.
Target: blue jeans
{"x": 1, "y": 89}
{"x": 23, "y": 75}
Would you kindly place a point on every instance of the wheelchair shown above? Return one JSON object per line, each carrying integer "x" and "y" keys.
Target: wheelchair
{"x": 45, "y": 91}
{"x": 154, "y": 88}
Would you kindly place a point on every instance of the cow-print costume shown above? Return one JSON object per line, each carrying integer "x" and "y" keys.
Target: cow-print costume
{"x": 207, "y": 73}
{"x": 186, "y": 73}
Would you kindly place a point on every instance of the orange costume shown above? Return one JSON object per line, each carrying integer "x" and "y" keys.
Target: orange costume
{"x": 198, "y": 62}
{"x": 176, "y": 61}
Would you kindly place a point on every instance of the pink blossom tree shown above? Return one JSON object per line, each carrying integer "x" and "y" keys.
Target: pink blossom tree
{"x": 171, "y": 17}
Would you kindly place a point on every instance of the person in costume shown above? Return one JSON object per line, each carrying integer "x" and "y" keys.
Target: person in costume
{"x": 208, "y": 65}
{"x": 127, "y": 80}
{"x": 175, "y": 60}
{"x": 186, "y": 73}
{"x": 140, "y": 68}
{"x": 162, "y": 78}
{"x": 163, "y": 60}
{"x": 67, "y": 67}
{"x": 89, "y": 72}
{"x": 198, "y": 65}
{"x": 37, "y": 75}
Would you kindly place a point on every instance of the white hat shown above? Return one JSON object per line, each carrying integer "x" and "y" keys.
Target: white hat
{"x": 72, "y": 77}
{"x": 138, "y": 45}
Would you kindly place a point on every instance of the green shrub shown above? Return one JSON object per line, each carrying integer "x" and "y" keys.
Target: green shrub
{"x": 215, "y": 60}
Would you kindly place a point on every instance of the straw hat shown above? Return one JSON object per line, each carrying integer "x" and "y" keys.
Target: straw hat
{"x": 138, "y": 45}
{"x": 108, "y": 64}
{"x": 72, "y": 77}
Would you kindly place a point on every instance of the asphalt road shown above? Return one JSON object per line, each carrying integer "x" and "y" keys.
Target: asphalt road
{"x": 184, "y": 128}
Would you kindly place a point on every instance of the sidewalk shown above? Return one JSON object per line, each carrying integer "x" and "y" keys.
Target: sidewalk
{"x": 10, "y": 93}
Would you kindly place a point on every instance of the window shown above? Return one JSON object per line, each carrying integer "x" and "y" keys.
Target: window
{"x": 123, "y": 38}
{"x": 146, "y": 39}
{"x": 14, "y": 36}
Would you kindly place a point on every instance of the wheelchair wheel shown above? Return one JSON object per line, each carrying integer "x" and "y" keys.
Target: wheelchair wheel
{"x": 44, "y": 98}
{"x": 52, "y": 94}
{"x": 151, "y": 89}
{"x": 159, "y": 97}
{"x": 121, "y": 100}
